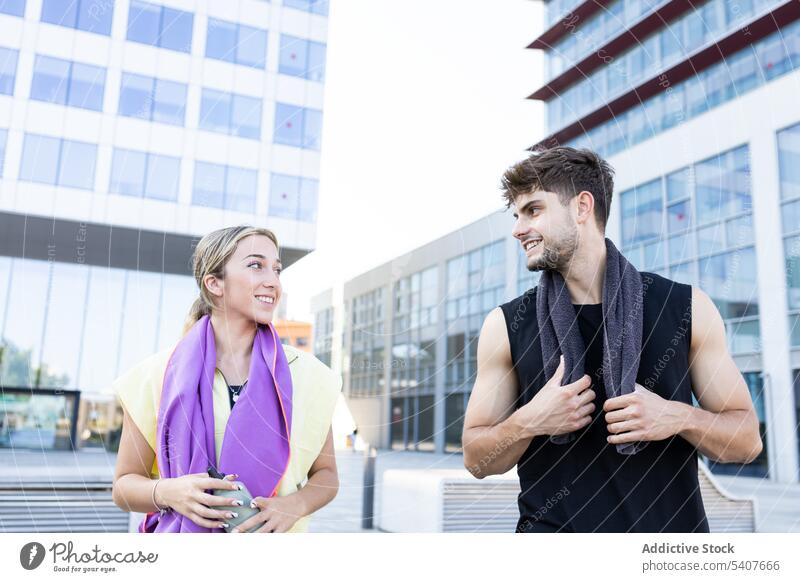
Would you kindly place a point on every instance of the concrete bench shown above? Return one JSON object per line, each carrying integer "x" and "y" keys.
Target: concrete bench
{"x": 68, "y": 507}
{"x": 452, "y": 500}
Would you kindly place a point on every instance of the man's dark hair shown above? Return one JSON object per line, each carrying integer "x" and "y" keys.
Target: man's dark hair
{"x": 565, "y": 171}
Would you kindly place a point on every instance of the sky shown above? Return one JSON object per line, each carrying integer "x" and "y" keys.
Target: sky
{"x": 425, "y": 107}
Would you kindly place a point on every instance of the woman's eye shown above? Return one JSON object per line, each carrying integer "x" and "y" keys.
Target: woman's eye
{"x": 254, "y": 265}
{"x": 279, "y": 271}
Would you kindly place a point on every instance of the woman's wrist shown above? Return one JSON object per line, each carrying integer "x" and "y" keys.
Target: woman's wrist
{"x": 159, "y": 489}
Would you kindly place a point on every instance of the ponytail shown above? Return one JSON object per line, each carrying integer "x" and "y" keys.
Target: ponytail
{"x": 199, "y": 309}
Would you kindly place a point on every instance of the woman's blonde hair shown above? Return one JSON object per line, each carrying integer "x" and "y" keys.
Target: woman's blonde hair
{"x": 210, "y": 257}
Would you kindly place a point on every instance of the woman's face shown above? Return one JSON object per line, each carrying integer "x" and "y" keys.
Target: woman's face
{"x": 251, "y": 287}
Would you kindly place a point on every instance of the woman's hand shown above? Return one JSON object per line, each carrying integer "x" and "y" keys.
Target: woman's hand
{"x": 187, "y": 495}
{"x": 278, "y": 514}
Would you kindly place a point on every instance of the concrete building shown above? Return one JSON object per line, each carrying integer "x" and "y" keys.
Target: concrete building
{"x": 694, "y": 103}
{"x": 128, "y": 130}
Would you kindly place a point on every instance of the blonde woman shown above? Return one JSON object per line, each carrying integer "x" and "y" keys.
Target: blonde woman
{"x": 228, "y": 395}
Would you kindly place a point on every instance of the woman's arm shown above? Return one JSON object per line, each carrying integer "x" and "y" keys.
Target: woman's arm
{"x": 133, "y": 487}
{"x": 279, "y": 514}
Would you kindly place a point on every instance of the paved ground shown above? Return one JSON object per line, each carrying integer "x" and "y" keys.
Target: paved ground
{"x": 778, "y": 504}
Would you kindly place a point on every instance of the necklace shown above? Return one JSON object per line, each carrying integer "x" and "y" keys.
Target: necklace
{"x": 235, "y": 390}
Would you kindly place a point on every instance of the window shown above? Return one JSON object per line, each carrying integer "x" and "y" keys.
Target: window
{"x": 226, "y": 187}
{"x": 723, "y": 187}
{"x": 293, "y": 197}
{"x": 642, "y": 212}
{"x": 88, "y": 15}
{"x": 12, "y": 7}
{"x": 297, "y": 126}
{"x": 315, "y": 6}
{"x": 152, "y": 99}
{"x": 160, "y": 26}
{"x": 53, "y": 161}
{"x": 3, "y": 137}
{"x": 68, "y": 83}
{"x": 142, "y": 174}
{"x": 236, "y": 43}
{"x": 300, "y": 57}
{"x": 230, "y": 113}
{"x": 8, "y": 70}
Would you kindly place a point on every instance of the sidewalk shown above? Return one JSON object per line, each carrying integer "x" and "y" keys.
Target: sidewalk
{"x": 778, "y": 504}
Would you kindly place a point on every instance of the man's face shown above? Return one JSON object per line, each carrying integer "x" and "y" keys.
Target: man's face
{"x": 546, "y": 230}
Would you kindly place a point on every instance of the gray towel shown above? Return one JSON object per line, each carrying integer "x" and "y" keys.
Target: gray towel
{"x": 622, "y": 331}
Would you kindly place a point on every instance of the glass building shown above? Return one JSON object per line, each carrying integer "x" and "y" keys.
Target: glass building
{"x": 128, "y": 130}
{"x": 694, "y": 105}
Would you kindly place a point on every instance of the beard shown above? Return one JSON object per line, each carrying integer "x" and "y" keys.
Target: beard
{"x": 557, "y": 252}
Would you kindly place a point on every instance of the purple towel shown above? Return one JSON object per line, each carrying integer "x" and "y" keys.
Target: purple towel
{"x": 256, "y": 441}
{"x": 622, "y": 331}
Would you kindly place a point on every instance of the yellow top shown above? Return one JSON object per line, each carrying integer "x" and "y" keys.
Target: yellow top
{"x": 315, "y": 389}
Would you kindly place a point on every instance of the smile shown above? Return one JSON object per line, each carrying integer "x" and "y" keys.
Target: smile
{"x": 266, "y": 299}
{"x": 532, "y": 244}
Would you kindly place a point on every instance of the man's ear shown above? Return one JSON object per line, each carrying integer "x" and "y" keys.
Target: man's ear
{"x": 215, "y": 286}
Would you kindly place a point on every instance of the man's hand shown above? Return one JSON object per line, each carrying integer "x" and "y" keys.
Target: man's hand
{"x": 642, "y": 416}
{"x": 557, "y": 409}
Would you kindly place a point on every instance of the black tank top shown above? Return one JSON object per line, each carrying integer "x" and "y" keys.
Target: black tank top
{"x": 586, "y": 485}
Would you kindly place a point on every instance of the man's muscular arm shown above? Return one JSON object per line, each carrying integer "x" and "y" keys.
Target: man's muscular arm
{"x": 496, "y": 435}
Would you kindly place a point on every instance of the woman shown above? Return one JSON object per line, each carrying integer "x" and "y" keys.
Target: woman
{"x": 230, "y": 395}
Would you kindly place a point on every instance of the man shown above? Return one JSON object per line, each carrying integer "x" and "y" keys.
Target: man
{"x": 516, "y": 412}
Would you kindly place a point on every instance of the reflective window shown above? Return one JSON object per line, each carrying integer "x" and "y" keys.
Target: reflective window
{"x": 103, "y": 322}
{"x": 293, "y": 197}
{"x": 230, "y": 113}
{"x": 65, "y": 310}
{"x": 145, "y": 174}
{"x": 68, "y": 83}
{"x": 314, "y": 6}
{"x": 8, "y": 70}
{"x": 140, "y": 311}
{"x": 730, "y": 281}
{"x": 25, "y": 317}
{"x": 789, "y": 161}
{"x": 297, "y": 126}
{"x": 642, "y": 211}
{"x": 3, "y": 138}
{"x": 50, "y": 160}
{"x": 177, "y": 295}
{"x": 301, "y": 57}
{"x": 12, "y": 7}
{"x": 88, "y": 15}
{"x": 723, "y": 185}
{"x": 236, "y": 43}
{"x": 228, "y": 187}
{"x": 152, "y": 99}
{"x": 160, "y": 26}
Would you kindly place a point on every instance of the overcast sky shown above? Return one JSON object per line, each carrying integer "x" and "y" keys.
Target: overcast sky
{"x": 424, "y": 108}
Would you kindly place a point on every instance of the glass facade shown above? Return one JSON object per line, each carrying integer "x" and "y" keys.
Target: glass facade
{"x": 301, "y": 57}
{"x": 313, "y": 6}
{"x": 413, "y": 354}
{"x": 152, "y": 99}
{"x": 323, "y": 335}
{"x": 236, "y": 43}
{"x": 12, "y": 7}
{"x": 73, "y": 326}
{"x": 230, "y": 113}
{"x": 8, "y": 70}
{"x": 145, "y": 175}
{"x": 159, "y": 26}
{"x": 226, "y": 187}
{"x": 3, "y": 137}
{"x": 658, "y": 52}
{"x": 695, "y": 226}
{"x": 58, "y": 162}
{"x": 367, "y": 344}
{"x": 88, "y": 15}
{"x": 751, "y": 67}
{"x": 293, "y": 197}
{"x": 475, "y": 286}
{"x": 298, "y": 126}
{"x": 68, "y": 83}
{"x": 788, "y": 160}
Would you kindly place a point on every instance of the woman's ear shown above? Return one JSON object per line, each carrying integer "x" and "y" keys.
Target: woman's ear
{"x": 215, "y": 286}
